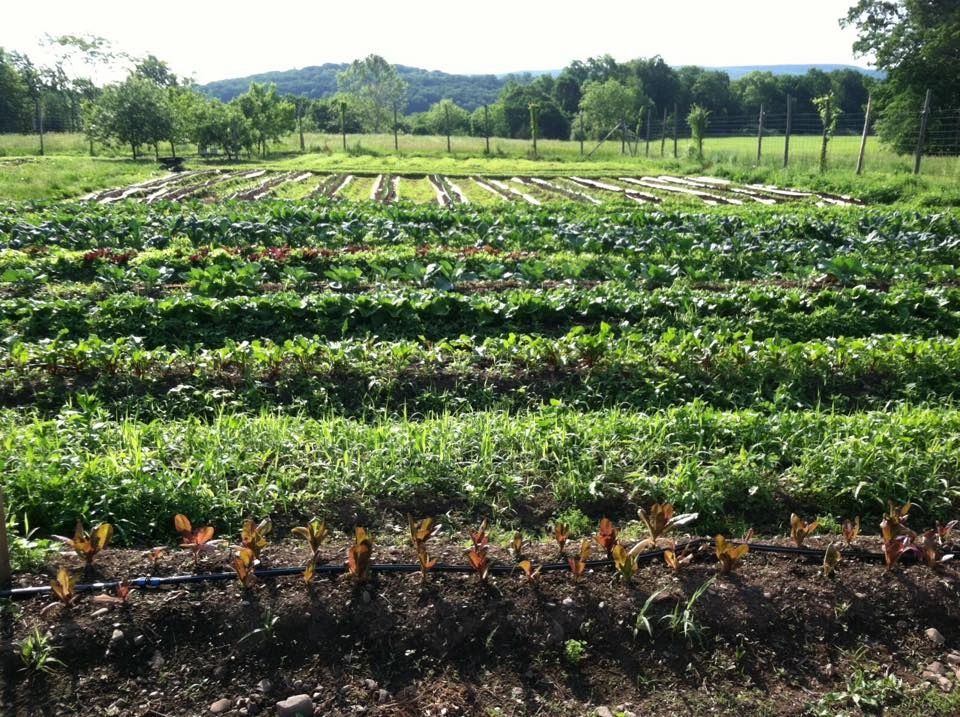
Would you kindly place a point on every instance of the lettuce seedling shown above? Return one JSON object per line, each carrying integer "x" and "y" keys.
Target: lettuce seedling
{"x": 420, "y": 533}
{"x": 531, "y": 573}
{"x": 660, "y": 520}
{"x": 831, "y": 558}
{"x": 85, "y": 544}
{"x": 244, "y": 565}
{"x": 516, "y": 546}
{"x": 314, "y": 532}
{"x": 851, "y": 529}
{"x": 198, "y": 540}
{"x": 676, "y": 562}
{"x": 479, "y": 562}
{"x": 578, "y": 566}
{"x": 63, "y": 586}
{"x": 479, "y": 537}
{"x": 606, "y": 536}
{"x": 728, "y": 554}
{"x": 929, "y": 545}
{"x": 800, "y": 529}
{"x": 359, "y": 554}
{"x": 119, "y": 599}
{"x": 253, "y": 537}
{"x": 625, "y": 562}
{"x": 560, "y": 533}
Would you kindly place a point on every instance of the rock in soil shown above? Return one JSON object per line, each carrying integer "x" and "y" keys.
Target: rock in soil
{"x": 221, "y": 706}
{"x": 934, "y": 635}
{"x": 296, "y": 706}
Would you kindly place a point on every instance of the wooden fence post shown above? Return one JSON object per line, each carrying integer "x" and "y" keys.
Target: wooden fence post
{"x": 649, "y": 127}
{"x": 396, "y": 131}
{"x": 863, "y": 138}
{"x": 663, "y": 133}
{"x": 786, "y": 136}
{"x": 486, "y": 127}
{"x": 446, "y": 124}
{"x": 343, "y": 124}
{"x": 921, "y": 138}
{"x": 676, "y": 127}
{"x": 760, "y": 136}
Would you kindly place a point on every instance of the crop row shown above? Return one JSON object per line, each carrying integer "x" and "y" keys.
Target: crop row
{"x": 228, "y": 272}
{"x": 812, "y": 232}
{"x": 793, "y": 314}
{"x": 740, "y": 466}
{"x": 581, "y": 369}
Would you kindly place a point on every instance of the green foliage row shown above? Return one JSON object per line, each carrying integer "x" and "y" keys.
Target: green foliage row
{"x": 729, "y": 466}
{"x": 583, "y": 370}
{"x": 764, "y": 311}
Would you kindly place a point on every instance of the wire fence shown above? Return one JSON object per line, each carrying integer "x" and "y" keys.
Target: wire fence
{"x": 780, "y": 139}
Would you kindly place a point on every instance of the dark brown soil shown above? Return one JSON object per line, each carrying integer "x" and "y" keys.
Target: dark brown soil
{"x": 774, "y": 637}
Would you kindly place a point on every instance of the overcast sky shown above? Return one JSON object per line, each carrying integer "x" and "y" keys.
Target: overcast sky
{"x": 214, "y": 39}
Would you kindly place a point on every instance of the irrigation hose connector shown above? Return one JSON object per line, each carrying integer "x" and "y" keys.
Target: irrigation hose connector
{"x": 153, "y": 583}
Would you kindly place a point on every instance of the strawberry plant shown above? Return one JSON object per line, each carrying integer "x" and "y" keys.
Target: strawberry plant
{"x": 359, "y": 555}
{"x": 85, "y": 544}
{"x": 800, "y": 529}
{"x": 728, "y": 554}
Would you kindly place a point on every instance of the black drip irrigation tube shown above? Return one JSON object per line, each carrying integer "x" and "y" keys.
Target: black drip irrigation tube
{"x": 153, "y": 583}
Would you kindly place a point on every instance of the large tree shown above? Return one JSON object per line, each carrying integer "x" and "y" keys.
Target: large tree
{"x": 917, "y": 43}
{"x": 270, "y": 115}
{"x": 378, "y": 89}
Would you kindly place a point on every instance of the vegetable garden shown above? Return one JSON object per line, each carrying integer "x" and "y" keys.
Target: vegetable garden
{"x": 552, "y": 366}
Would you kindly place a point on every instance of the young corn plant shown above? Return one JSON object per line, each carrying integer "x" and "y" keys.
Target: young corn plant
{"x": 85, "y": 544}
{"x": 607, "y": 536}
{"x": 359, "y": 556}
{"x": 420, "y": 533}
{"x": 38, "y": 653}
{"x": 682, "y": 620}
{"x": 643, "y": 618}
{"x": 660, "y": 520}
{"x": 728, "y": 554}
{"x": 800, "y": 529}
{"x": 197, "y": 540}
{"x": 578, "y": 565}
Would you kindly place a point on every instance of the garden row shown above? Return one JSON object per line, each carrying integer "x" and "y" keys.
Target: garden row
{"x": 588, "y": 370}
{"x": 809, "y": 233}
{"x": 734, "y": 468}
{"x": 764, "y": 311}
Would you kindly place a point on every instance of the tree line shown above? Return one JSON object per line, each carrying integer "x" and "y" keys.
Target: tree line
{"x": 152, "y": 107}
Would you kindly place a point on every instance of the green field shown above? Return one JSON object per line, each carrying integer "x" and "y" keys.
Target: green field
{"x": 312, "y": 357}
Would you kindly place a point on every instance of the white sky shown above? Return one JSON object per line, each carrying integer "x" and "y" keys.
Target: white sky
{"x": 216, "y": 39}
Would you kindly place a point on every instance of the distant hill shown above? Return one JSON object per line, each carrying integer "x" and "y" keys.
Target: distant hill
{"x": 738, "y": 71}
{"x": 426, "y": 86}
{"x": 429, "y": 86}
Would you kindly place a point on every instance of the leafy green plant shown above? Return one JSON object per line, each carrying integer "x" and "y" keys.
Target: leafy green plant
{"x": 676, "y": 562}
{"x": 851, "y": 529}
{"x": 831, "y": 558}
{"x": 420, "y": 533}
{"x": 253, "y": 536}
{"x": 578, "y": 565}
{"x": 625, "y": 562}
{"x": 561, "y": 532}
{"x": 574, "y": 651}
{"x": 314, "y": 532}
{"x": 245, "y": 565}
{"x": 197, "y": 540}
{"x": 606, "y": 536}
{"x": 63, "y": 587}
